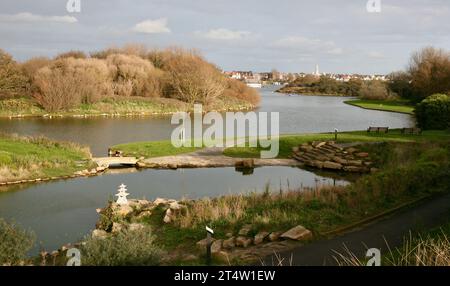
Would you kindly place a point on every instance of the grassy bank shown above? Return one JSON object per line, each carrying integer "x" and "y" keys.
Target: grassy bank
{"x": 165, "y": 148}
{"x": 400, "y": 106}
{"x": 26, "y": 107}
{"x": 289, "y": 141}
{"x": 24, "y": 158}
{"x": 152, "y": 149}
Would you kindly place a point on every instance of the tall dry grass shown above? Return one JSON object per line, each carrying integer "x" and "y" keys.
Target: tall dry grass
{"x": 415, "y": 251}
{"x": 235, "y": 208}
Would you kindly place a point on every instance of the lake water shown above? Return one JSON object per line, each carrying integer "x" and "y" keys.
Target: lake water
{"x": 64, "y": 211}
{"x": 298, "y": 114}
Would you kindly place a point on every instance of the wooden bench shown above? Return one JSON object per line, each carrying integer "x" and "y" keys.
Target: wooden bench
{"x": 378, "y": 129}
{"x": 416, "y": 131}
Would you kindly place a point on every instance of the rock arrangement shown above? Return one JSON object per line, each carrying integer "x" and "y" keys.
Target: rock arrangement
{"x": 119, "y": 215}
{"x": 329, "y": 156}
{"x": 221, "y": 248}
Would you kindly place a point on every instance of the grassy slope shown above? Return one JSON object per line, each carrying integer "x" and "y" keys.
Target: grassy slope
{"x": 289, "y": 141}
{"x": 29, "y": 158}
{"x": 400, "y": 106}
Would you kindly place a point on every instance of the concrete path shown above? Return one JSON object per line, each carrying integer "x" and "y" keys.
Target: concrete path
{"x": 108, "y": 161}
{"x": 393, "y": 229}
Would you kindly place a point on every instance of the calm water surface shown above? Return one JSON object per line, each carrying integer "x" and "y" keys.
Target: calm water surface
{"x": 298, "y": 114}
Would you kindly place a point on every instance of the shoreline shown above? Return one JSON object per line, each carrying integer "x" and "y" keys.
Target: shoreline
{"x": 111, "y": 115}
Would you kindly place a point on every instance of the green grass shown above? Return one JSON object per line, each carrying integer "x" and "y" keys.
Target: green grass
{"x": 30, "y": 158}
{"x": 400, "y": 106}
{"x": 152, "y": 149}
{"x": 289, "y": 141}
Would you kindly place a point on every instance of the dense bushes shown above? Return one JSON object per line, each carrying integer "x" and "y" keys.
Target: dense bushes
{"x": 134, "y": 76}
{"x": 14, "y": 243}
{"x": 238, "y": 89}
{"x": 375, "y": 90}
{"x": 13, "y": 81}
{"x": 324, "y": 85}
{"x": 434, "y": 112}
{"x": 73, "y": 78}
{"x": 68, "y": 82}
{"x": 126, "y": 248}
{"x": 192, "y": 79}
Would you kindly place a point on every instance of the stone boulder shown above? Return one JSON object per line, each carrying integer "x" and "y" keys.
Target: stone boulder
{"x": 216, "y": 246}
{"x": 274, "y": 236}
{"x": 243, "y": 241}
{"x": 259, "y": 238}
{"x": 332, "y": 165}
{"x": 297, "y": 233}
{"x": 245, "y": 230}
{"x": 201, "y": 244}
{"x": 229, "y": 243}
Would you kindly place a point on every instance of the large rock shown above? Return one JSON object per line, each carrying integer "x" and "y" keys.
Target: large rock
{"x": 159, "y": 201}
{"x": 201, "y": 244}
{"x": 259, "y": 238}
{"x": 355, "y": 162}
{"x": 297, "y": 233}
{"x": 245, "y": 230}
{"x": 175, "y": 206}
{"x": 332, "y": 165}
{"x": 339, "y": 160}
{"x": 243, "y": 241}
{"x": 229, "y": 243}
{"x": 362, "y": 154}
{"x": 168, "y": 218}
{"x": 274, "y": 236}
{"x": 124, "y": 210}
{"x": 216, "y": 246}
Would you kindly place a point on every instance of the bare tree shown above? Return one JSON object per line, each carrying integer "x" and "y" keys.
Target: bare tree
{"x": 430, "y": 71}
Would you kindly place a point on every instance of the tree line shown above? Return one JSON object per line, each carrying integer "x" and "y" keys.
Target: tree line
{"x": 74, "y": 78}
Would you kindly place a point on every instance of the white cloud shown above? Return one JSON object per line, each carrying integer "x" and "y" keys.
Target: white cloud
{"x": 375, "y": 55}
{"x": 29, "y": 17}
{"x": 157, "y": 26}
{"x": 223, "y": 34}
{"x": 307, "y": 45}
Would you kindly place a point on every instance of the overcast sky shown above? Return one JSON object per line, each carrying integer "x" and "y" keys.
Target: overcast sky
{"x": 289, "y": 35}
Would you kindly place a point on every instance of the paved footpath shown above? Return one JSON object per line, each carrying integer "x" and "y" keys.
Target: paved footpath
{"x": 393, "y": 229}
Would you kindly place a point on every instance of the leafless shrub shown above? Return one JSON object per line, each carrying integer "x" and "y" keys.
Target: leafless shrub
{"x": 239, "y": 90}
{"x": 134, "y": 76}
{"x": 192, "y": 79}
{"x": 69, "y": 82}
